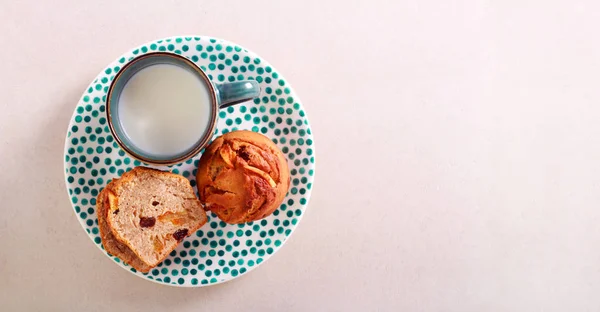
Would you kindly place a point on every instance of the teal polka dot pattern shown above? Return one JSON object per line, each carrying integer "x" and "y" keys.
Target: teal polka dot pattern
{"x": 218, "y": 252}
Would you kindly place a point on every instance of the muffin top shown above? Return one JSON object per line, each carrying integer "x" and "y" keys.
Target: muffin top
{"x": 242, "y": 177}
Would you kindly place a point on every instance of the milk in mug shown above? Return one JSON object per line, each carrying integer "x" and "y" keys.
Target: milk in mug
{"x": 165, "y": 109}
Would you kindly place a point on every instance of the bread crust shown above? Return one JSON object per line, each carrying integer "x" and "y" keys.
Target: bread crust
{"x": 110, "y": 243}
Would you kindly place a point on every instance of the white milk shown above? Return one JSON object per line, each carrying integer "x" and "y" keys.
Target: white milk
{"x": 164, "y": 109}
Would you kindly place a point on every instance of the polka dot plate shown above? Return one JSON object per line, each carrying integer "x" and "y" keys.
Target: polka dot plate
{"x": 218, "y": 252}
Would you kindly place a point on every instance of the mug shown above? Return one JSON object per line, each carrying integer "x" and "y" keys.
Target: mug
{"x": 221, "y": 95}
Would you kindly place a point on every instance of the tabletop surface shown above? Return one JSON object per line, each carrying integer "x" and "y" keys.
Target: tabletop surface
{"x": 457, "y": 144}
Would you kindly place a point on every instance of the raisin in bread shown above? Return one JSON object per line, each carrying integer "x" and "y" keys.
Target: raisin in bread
{"x": 242, "y": 177}
{"x": 110, "y": 243}
{"x": 151, "y": 211}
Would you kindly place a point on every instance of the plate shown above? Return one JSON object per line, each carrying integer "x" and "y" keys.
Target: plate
{"x": 218, "y": 252}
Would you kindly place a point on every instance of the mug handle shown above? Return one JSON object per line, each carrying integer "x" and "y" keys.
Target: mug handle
{"x": 232, "y": 93}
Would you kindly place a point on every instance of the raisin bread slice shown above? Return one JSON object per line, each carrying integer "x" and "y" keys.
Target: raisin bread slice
{"x": 151, "y": 211}
{"x": 110, "y": 243}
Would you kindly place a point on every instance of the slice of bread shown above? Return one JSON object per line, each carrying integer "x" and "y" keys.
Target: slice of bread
{"x": 151, "y": 211}
{"x": 110, "y": 243}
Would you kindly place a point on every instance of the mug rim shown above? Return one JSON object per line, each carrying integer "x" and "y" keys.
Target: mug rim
{"x": 197, "y": 147}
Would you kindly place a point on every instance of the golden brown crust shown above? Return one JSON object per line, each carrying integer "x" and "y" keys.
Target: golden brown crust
{"x": 242, "y": 177}
{"x": 110, "y": 243}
